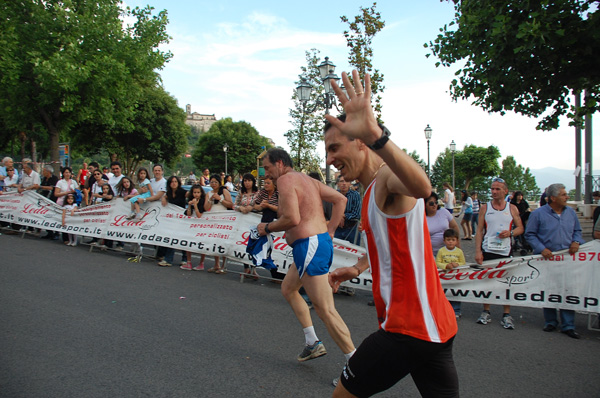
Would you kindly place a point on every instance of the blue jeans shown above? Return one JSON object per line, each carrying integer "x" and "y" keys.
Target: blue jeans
{"x": 170, "y": 253}
{"x": 348, "y": 234}
{"x": 456, "y": 307}
{"x": 567, "y": 318}
{"x": 474, "y": 222}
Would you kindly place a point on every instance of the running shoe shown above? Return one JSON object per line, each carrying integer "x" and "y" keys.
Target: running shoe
{"x": 164, "y": 263}
{"x": 186, "y": 266}
{"x": 312, "y": 351}
{"x": 507, "y": 322}
{"x": 484, "y": 318}
{"x": 199, "y": 267}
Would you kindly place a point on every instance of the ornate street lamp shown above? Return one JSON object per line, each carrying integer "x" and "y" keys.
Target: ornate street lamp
{"x": 428, "y": 132}
{"x": 225, "y": 149}
{"x": 326, "y": 101}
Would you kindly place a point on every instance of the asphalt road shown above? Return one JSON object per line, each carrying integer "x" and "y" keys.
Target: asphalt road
{"x": 80, "y": 324}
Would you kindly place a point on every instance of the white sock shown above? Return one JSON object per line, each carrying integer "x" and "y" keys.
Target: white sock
{"x": 310, "y": 337}
{"x": 349, "y": 355}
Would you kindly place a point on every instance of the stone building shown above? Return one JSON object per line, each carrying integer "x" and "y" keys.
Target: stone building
{"x": 200, "y": 121}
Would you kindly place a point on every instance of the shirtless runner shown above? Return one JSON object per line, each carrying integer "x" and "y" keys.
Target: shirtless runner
{"x": 309, "y": 235}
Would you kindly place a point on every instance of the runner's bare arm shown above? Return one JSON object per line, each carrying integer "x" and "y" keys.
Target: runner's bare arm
{"x": 339, "y": 275}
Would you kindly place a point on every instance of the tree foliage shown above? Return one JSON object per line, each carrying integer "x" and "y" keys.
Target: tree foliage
{"x": 524, "y": 56}
{"x": 71, "y": 63}
{"x": 359, "y": 38}
{"x": 244, "y": 142}
{"x": 307, "y": 118}
{"x": 517, "y": 177}
{"x": 472, "y": 166}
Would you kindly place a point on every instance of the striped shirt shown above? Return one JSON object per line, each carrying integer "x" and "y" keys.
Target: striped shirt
{"x": 407, "y": 291}
{"x": 352, "y": 211}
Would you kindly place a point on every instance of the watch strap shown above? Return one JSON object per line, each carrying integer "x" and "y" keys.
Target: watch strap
{"x": 382, "y": 140}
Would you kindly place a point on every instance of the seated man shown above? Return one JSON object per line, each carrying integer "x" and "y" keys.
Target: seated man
{"x": 347, "y": 229}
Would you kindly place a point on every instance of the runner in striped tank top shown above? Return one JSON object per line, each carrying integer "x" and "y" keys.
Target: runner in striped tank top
{"x": 416, "y": 322}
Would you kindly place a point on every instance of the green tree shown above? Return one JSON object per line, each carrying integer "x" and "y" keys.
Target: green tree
{"x": 159, "y": 132}
{"x": 517, "y": 177}
{"x": 359, "y": 38}
{"x": 307, "y": 131}
{"x": 524, "y": 56}
{"x": 244, "y": 142}
{"x": 69, "y": 63}
{"x": 472, "y": 166}
{"x": 417, "y": 158}
{"x": 474, "y": 161}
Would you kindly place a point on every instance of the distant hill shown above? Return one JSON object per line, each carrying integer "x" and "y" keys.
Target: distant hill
{"x": 551, "y": 175}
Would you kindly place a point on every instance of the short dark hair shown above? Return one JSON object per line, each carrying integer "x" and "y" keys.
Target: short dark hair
{"x": 94, "y": 165}
{"x": 450, "y": 233}
{"x": 276, "y": 154}
{"x": 159, "y": 165}
{"x": 116, "y": 163}
{"x": 328, "y": 125}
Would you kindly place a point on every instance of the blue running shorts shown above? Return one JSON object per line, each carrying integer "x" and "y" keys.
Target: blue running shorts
{"x": 313, "y": 255}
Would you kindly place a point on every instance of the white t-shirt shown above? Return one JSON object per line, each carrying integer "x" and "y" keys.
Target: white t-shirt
{"x": 450, "y": 203}
{"x": 158, "y": 186}
{"x": 10, "y": 181}
{"x": 65, "y": 186}
{"x": 113, "y": 181}
{"x": 30, "y": 180}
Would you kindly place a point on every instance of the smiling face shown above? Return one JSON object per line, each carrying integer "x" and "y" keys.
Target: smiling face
{"x": 67, "y": 174}
{"x": 158, "y": 172}
{"x": 116, "y": 170}
{"x": 344, "y": 154}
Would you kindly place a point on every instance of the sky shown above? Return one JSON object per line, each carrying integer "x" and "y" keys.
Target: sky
{"x": 241, "y": 59}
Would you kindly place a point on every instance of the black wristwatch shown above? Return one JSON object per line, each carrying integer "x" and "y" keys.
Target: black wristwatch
{"x": 382, "y": 140}
{"x": 267, "y": 228}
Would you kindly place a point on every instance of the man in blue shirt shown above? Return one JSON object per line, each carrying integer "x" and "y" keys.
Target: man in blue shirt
{"x": 552, "y": 228}
{"x": 349, "y": 224}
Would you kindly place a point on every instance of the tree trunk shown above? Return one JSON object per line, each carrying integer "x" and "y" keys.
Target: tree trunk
{"x": 54, "y": 137}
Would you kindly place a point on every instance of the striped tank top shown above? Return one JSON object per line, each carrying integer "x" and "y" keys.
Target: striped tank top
{"x": 407, "y": 291}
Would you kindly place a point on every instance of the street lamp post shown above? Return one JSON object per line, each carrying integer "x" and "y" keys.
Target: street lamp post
{"x": 428, "y": 132}
{"x": 453, "y": 149}
{"x": 225, "y": 149}
{"x": 327, "y": 101}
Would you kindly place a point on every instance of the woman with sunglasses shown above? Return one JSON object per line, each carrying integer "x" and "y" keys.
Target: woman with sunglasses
{"x": 438, "y": 222}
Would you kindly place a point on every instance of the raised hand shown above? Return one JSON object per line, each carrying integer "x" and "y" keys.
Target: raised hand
{"x": 360, "y": 120}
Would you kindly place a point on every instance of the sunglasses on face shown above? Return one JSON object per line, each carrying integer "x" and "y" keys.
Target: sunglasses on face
{"x": 431, "y": 203}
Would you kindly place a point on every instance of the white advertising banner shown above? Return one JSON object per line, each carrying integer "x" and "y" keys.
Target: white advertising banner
{"x": 565, "y": 281}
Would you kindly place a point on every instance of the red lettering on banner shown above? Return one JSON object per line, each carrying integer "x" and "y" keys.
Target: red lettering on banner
{"x": 32, "y": 209}
{"x": 246, "y": 237}
{"x": 279, "y": 246}
{"x": 122, "y": 221}
{"x": 489, "y": 273}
